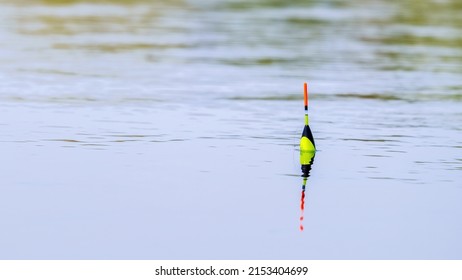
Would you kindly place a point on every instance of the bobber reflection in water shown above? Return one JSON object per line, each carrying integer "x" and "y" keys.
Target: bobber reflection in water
{"x": 307, "y": 152}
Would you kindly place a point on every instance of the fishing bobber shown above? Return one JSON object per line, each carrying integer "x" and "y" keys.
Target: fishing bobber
{"x": 307, "y": 146}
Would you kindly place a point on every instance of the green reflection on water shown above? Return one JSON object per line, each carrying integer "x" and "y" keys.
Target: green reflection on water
{"x": 119, "y": 47}
{"x": 52, "y": 21}
{"x": 292, "y": 34}
{"x": 71, "y": 25}
{"x": 306, "y": 21}
{"x": 243, "y": 5}
{"x": 427, "y": 12}
{"x": 411, "y": 39}
{"x": 71, "y": 2}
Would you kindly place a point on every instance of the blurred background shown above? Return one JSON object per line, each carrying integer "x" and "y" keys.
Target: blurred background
{"x": 136, "y": 129}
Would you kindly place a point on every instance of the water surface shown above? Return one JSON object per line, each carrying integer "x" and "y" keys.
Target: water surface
{"x": 169, "y": 129}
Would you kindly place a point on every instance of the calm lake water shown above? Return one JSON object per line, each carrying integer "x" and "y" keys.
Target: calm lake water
{"x": 170, "y": 129}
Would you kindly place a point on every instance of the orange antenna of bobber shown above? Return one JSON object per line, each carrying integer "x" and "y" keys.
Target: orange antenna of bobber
{"x": 306, "y": 95}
